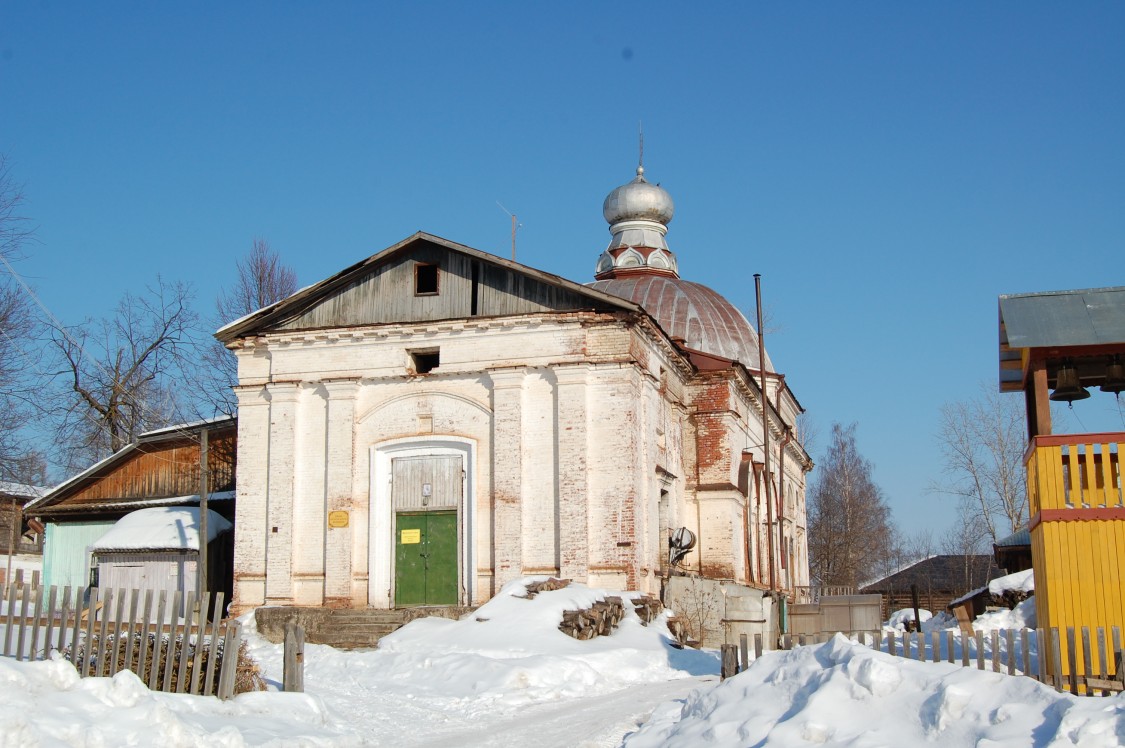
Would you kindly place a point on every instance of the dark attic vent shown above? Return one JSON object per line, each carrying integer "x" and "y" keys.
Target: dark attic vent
{"x": 425, "y": 279}
{"x": 425, "y": 361}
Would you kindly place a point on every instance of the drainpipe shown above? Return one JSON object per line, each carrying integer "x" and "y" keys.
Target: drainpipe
{"x": 765, "y": 428}
{"x": 781, "y": 476}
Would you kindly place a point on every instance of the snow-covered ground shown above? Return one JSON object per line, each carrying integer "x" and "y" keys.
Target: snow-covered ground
{"x": 505, "y": 676}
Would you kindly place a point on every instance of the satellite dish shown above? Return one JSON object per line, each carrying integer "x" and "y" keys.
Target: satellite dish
{"x": 679, "y": 545}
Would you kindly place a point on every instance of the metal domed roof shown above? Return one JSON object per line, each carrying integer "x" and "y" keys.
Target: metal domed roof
{"x": 703, "y": 319}
{"x": 638, "y": 201}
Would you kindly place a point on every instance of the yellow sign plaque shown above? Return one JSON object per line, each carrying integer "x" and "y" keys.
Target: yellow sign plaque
{"x": 337, "y": 519}
{"x": 410, "y": 537}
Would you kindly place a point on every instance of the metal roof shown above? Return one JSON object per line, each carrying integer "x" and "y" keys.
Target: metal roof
{"x": 1016, "y": 539}
{"x": 1064, "y": 318}
{"x": 1057, "y": 319}
{"x": 693, "y": 313}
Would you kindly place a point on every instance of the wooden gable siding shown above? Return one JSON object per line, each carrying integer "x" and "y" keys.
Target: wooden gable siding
{"x": 160, "y": 471}
{"x": 467, "y": 287}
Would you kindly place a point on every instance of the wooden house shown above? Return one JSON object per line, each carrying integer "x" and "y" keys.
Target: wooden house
{"x": 15, "y": 536}
{"x": 940, "y": 580}
{"x": 1069, "y": 347}
{"x": 160, "y": 469}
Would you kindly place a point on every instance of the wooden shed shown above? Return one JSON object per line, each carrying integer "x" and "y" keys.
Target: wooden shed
{"x": 158, "y": 549}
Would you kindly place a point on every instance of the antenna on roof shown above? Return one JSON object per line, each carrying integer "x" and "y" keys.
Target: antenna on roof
{"x": 515, "y": 226}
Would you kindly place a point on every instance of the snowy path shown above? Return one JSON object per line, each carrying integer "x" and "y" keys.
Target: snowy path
{"x": 591, "y": 722}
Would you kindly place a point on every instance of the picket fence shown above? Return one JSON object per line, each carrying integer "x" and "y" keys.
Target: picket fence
{"x": 1035, "y": 653}
{"x": 102, "y": 631}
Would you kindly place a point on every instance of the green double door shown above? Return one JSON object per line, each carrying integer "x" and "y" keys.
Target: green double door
{"x": 425, "y": 558}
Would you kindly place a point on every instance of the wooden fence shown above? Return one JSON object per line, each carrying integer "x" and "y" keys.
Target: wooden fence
{"x": 1035, "y": 653}
{"x": 172, "y": 648}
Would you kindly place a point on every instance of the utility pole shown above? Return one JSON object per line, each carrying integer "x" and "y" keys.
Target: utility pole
{"x": 765, "y": 430}
{"x": 201, "y": 567}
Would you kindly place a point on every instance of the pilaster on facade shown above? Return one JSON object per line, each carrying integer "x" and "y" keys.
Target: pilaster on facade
{"x": 341, "y": 522}
{"x": 573, "y": 407}
{"x": 507, "y": 473}
{"x": 539, "y": 507}
{"x": 281, "y": 473}
{"x": 614, "y": 423}
{"x": 251, "y": 506}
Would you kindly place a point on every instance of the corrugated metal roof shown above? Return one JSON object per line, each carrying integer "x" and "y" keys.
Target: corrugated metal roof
{"x": 1017, "y": 538}
{"x": 1093, "y": 316}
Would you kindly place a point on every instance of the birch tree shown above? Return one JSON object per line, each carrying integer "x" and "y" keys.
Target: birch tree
{"x": 982, "y": 441}
{"x": 261, "y": 279}
{"x": 851, "y": 535}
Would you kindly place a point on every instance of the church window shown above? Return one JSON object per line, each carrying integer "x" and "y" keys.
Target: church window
{"x": 423, "y": 361}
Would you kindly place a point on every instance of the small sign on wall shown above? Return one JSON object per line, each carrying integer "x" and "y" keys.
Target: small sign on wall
{"x": 411, "y": 537}
{"x": 338, "y": 519}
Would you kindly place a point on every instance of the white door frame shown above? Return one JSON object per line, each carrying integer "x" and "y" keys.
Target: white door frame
{"x": 381, "y": 545}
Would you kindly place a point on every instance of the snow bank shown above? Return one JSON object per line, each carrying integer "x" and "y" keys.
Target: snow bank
{"x": 46, "y": 703}
{"x": 478, "y": 681}
{"x": 899, "y": 619}
{"x": 510, "y": 651}
{"x": 844, "y": 694}
{"x": 1019, "y": 617}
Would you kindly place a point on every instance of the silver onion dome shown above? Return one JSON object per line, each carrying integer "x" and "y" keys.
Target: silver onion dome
{"x": 638, "y": 214}
{"x": 638, "y": 200}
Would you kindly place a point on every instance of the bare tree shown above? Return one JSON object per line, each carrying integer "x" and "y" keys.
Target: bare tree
{"x": 119, "y": 377}
{"x": 262, "y": 279}
{"x": 17, "y": 331}
{"x": 851, "y": 536}
{"x": 983, "y": 441}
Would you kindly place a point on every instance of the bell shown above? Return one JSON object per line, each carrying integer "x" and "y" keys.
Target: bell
{"x": 1068, "y": 388}
{"x": 1114, "y": 377}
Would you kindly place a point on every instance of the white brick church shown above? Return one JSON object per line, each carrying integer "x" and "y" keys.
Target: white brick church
{"x": 434, "y": 421}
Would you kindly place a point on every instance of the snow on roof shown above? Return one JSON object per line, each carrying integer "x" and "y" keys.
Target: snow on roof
{"x": 160, "y": 528}
{"x": 1021, "y": 581}
{"x": 21, "y": 490}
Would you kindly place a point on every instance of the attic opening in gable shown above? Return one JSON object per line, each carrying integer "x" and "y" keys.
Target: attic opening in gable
{"x": 424, "y": 360}
{"x": 425, "y": 279}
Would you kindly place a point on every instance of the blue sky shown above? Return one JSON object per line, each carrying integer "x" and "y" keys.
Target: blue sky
{"x": 888, "y": 168}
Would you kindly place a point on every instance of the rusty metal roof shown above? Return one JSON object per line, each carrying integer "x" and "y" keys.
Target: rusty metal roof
{"x": 703, "y": 319}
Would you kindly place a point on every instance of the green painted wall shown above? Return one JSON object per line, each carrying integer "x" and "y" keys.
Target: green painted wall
{"x": 66, "y": 560}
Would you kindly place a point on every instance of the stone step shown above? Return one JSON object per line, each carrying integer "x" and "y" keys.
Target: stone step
{"x": 378, "y": 629}
{"x": 345, "y": 628}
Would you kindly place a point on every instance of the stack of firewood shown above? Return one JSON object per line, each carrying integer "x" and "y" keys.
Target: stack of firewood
{"x": 598, "y": 620}
{"x": 546, "y": 585}
{"x": 648, "y": 608}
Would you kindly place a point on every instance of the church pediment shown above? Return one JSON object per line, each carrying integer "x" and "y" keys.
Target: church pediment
{"x": 424, "y": 278}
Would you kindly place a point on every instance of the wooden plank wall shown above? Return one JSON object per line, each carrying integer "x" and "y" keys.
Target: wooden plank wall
{"x": 1077, "y": 535}
{"x": 467, "y": 287}
{"x": 163, "y": 469}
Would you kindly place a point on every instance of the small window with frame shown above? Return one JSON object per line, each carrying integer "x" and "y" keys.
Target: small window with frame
{"x": 426, "y": 280}
{"x": 424, "y": 360}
